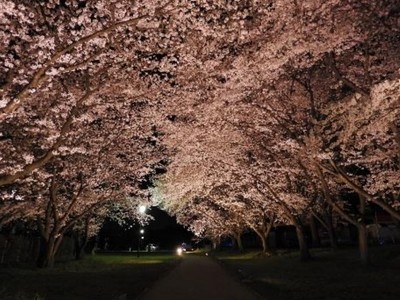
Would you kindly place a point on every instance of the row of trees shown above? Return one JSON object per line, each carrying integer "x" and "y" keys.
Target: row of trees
{"x": 295, "y": 147}
{"x": 78, "y": 141}
{"x": 265, "y": 112}
{"x": 303, "y": 169}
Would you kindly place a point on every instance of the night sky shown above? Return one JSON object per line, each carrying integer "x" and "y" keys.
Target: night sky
{"x": 163, "y": 231}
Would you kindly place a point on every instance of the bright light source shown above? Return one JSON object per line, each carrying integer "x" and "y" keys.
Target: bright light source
{"x": 142, "y": 209}
{"x": 141, "y": 231}
{"x": 142, "y": 237}
{"x": 179, "y": 251}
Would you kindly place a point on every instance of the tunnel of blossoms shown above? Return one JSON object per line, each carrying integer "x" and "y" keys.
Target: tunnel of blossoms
{"x": 230, "y": 115}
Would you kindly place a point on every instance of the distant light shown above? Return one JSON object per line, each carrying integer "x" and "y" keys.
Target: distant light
{"x": 142, "y": 237}
{"x": 142, "y": 209}
{"x": 179, "y": 251}
{"x": 141, "y": 231}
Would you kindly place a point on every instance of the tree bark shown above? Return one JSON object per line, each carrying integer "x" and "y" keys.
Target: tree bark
{"x": 326, "y": 222}
{"x": 304, "y": 251}
{"x": 263, "y": 233}
{"x": 362, "y": 232}
{"x": 79, "y": 246}
{"x": 81, "y": 240}
{"x": 216, "y": 243}
{"x": 316, "y": 242}
{"x": 48, "y": 250}
{"x": 239, "y": 243}
{"x": 263, "y": 240}
{"x": 363, "y": 244}
{"x": 331, "y": 235}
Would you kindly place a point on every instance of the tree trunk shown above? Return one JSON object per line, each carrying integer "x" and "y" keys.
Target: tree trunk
{"x": 46, "y": 253}
{"x": 263, "y": 234}
{"x": 239, "y": 243}
{"x": 331, "y": 235}
{"x": 3, "y": 254}
{"x": 216, "y": 243}
{"x": 362, "y": 232}
{"x": 81, "y": 240}
{"x": 363, "y": 244}
{"x": 264, "y": 244}
{"x": 316, "y": 242}
{"x": 263, "y": 240}
{"x": 304, "y": 252}
{"x": 79, "y": 245}
{"x": 326, "y": 222}
{"x": 50, "y": 259}
{"x": 48, "y": 250}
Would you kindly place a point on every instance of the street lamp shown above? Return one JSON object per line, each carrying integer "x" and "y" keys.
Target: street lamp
{"x": 142, "y": 211}
{"x": 140, "y": 238}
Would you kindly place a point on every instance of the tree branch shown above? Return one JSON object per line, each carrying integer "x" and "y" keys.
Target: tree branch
{"x": 29, "y": 168}
{"x": 40, "y": 75}
{"x": 339, "y": 76}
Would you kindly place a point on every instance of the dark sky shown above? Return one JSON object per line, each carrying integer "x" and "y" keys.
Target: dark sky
{"x": 163, "y": 231}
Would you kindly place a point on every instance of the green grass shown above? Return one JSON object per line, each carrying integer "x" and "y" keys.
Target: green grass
{"x": 102, "y": 276}
{"x": 329, "y": 275}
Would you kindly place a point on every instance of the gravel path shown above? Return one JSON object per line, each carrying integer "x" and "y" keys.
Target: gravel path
{"x": 198, "y": 277}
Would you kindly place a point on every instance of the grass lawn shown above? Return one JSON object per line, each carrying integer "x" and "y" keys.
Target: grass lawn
{"x": 328, "y": 276}
{"x": 101, "y": 276}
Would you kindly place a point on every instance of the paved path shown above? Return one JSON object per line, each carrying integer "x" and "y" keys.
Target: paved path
{"x": 198, "y": 277}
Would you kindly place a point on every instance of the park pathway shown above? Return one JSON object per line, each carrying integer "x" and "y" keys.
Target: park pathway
{"x": 198, "y": 278}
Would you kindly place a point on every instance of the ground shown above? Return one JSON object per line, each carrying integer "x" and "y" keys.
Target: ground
{"x": 96, "y": 277}
{"x": 198, "y": 277}
{"x": 329, "y": 276}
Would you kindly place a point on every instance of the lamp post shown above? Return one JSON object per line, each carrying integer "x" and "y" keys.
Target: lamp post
{"x": 142, "y": 211}
{"x": 140, "y": 238}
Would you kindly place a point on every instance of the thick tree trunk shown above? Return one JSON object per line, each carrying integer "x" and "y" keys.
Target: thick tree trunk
{"x": 50, "y": 259}
{"x": 267, "y": 232}
{"x": 331, "y": 235}
{"x": 316, "y": 242}
{"x": 48, "y": 250}
{"x": 363, "y": 244}
{"x": 363, "y": 233}
{"x": 263, "y": 240}
{"x": 79, "y": 246}
{"x": 264, "y": 244}
{"x": 326, "y": 222}
{"x": 238, "y": 238}
{"x": 81, "y": 240}
{"x": 304, "y": 251}
{"x": 46, "y": 253}
{"x": 216, "y": 243}
{"x": 263, "y": 234}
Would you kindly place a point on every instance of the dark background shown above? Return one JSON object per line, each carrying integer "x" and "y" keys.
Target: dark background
{"x": 162, "y": 231}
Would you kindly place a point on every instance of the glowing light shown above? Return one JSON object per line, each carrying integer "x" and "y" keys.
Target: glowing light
{"x": 179, "y": 251}
{"x": 142, "y": 209}
{"x": 141, "y": 231}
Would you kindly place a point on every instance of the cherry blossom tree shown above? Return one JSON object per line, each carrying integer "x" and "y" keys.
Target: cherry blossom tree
{"x": 102, "y": 162}
{"x": 274, "y": 107}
